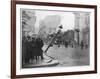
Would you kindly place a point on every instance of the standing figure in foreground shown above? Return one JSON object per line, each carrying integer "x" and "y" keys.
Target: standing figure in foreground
{"x": 38, "y": 48}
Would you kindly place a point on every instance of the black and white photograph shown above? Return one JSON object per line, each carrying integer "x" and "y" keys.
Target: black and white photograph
{"x": 52, "y": 38}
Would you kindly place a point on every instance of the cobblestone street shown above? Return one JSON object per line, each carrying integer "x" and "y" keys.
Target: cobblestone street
{"x": 69, "y": 56}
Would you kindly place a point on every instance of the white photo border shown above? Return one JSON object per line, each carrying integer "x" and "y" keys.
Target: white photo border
{"x": 20, "y": 71}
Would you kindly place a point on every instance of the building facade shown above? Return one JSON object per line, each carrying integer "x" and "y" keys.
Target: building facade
{"x": 82, "y": 27}
{"x": 28, "y": 22}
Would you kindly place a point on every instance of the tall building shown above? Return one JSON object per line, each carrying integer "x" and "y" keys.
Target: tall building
{"x": 48, "y": 25}
{"x": 82, "y": 26}
{"x": 28, "y": 22}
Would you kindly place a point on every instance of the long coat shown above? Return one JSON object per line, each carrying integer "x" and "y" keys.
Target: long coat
{"x": 38, "y": 47}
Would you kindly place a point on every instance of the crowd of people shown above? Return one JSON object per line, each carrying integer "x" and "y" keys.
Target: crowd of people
{"x": 31, "y": 49}
{"x": 71, "y": 43}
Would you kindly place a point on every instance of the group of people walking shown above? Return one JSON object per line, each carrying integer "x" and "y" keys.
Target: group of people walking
{"x": 31, "y": 49}
{"x": 73, "y": 44}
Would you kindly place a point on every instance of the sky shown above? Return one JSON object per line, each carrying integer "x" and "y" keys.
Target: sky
{"x": 51, "y": 18}
{"x": 67, "y": 18}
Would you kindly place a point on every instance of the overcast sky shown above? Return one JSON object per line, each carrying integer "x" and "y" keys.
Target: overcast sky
{"x": 67, "y": 18}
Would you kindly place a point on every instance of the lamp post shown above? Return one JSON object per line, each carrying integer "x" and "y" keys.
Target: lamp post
{"x": 59, "y": 31}
{"x": 78, "y": 39}
{"x": 49, "y": 58}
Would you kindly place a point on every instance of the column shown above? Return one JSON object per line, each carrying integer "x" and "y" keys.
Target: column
{"x": 77, "y": 26}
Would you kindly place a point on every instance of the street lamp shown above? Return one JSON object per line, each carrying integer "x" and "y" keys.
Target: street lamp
{"x": 47, "y": 58}
{"x": 77, "y": 31}
{"x": 58, "y": 32}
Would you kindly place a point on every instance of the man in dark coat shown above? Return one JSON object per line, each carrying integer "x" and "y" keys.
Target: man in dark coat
{"x": 24, "y": 47}
{"x": 66, "y": 44}
{"x": 33, "y": 48}
{"x": 28, "y": 49}
{"x": 82, "y": 44}
{"x": 38, "y": 48}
